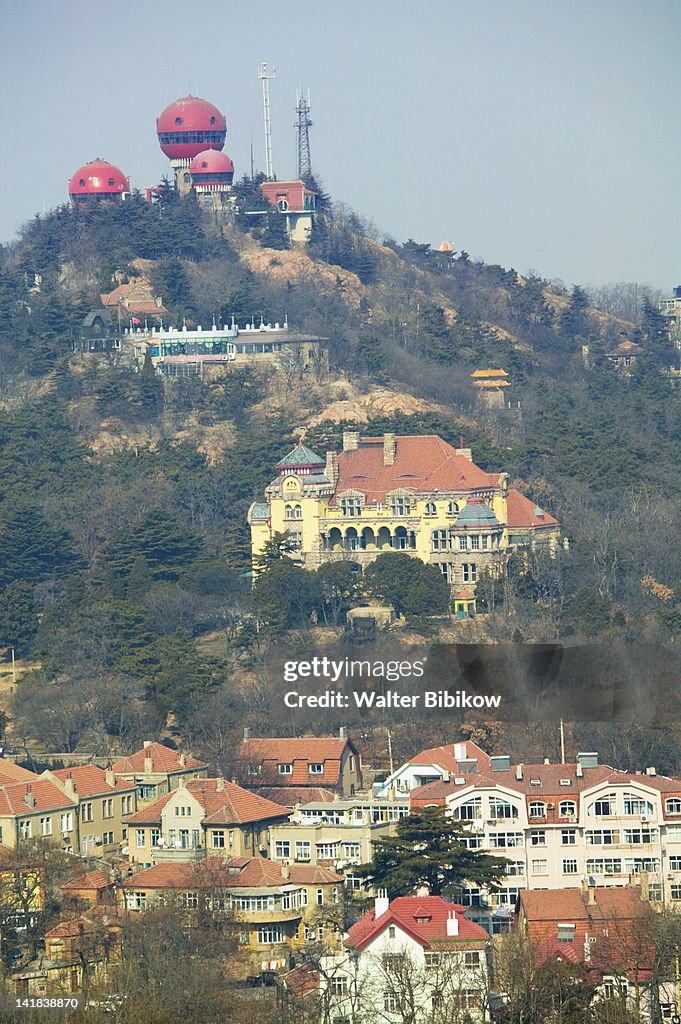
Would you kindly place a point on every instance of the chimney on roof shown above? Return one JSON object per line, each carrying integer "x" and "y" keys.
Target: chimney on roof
{"x": 350, "y": 440}
{"x": 247, "y": 734}
{"x": 580, "y": 772}
{"x": 69, "y": 785}
{"x": 519, "y": 772}
{"x": 182, "y": 761}
{"x": 181, "y": 782}
{"x": 389, "y": 449}
{"x": 343, "y": 732}
{"x": 148, "y": 765}
{"x": 503, "y": 483}
{"x": 285, "y": 871}
{"x": 147, "y": 744}
{"x": 381, "y": 903}
{"x": 651, "y": 770}
{"x": 219, "y": 785}
{"x": 29, "y": 799}
{"x": 591, "y": 895}
{"x": 331, "y": 468}
{"x": 110, "y": 777}
{"x": 547, "y": 760}
{"x": 452, "y": 924}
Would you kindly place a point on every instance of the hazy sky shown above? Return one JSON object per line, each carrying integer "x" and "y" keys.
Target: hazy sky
{"x": 532, "y": 133}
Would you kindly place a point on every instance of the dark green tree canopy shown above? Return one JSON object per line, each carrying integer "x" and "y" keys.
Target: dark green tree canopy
{"x": 428, "y": 849}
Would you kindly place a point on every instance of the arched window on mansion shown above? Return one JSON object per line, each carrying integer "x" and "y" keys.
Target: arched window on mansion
{"x": 452, "y": 508}
{"x": 293, "y": 512}
{"x": 567, "y": 809}
{"x": 431, "y": 508}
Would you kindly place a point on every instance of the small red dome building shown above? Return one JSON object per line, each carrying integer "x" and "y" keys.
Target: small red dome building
{"x": 98, "y": 180}
{"x": 211, "y": 171}
{"x": 189, "y": 126}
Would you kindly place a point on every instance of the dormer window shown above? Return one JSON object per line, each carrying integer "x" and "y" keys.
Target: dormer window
{"x": 423, "y": 920}
{"x": 351, "y": 506}
{"x": 254, "y": 769}
{"x": 316, "y": 768}
{"x": 286, "y": 769}
{"x": 400, "y": 504}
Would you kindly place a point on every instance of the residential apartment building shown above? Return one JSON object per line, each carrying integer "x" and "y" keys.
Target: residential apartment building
{"x": 559, "y": 824}
{"x": 39, "y": 809}
{"x": 277, "y": 908}
{"x": 416, "y": 952}
{"x": 337, "y": 834}
{"x": 204, "y": 817}
{"x": 103, "y": 802}
{"x": 157, "y": 769}
{"x": 413, "y": 494}
{"x": 292, "y": 771}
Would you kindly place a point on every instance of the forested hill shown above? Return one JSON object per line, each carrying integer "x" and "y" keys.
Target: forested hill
{"x": 123, "y": 538}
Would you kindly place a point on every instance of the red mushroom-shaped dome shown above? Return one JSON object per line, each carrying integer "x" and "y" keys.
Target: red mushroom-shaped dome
{"x": 99, "y": 180}
{"x": 188, "y": 126}
{"x": 211, "y": 171}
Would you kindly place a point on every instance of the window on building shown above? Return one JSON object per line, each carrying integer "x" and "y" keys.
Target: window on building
{"x": 392, "y": 931}
{"x": 469, "y": 811}
{"x": 140, "y": 838}
{"x": 316, "y": 769}
{"x": 439, "y": 540}
{"x": 302, "y": 849}
{"x": 505, "y": 840}
{"x": 452, "y": 508}
{"x": 568, "y": 836}
{"x": 25, "y": 829}
{"x": 66, "y": 821}
{"x": 146, "y": 791}
{"x": 126, "y": 804}
{"x": 673, "y": 805}
{"x": 570, "y": 867}
{"x": 389, "y": 1002}
{"x": 602, "y": 837}
{"x": 108, "y": 838}
{"x": 339, "y": 985}
{"x": 499, "y": 808}
{"x": 218, "y": 839}
{"x": 155, "y": 836}
{"x": 567, "y": 809}
{"x": 469, "y": 572}
{"x": 540, "y": 867}
{"x": 320, "y": 897}
{"x": 537, "y": 837}
{"x": 515, "y": 867}
{"x": 640, "y": 836}
{"x": 463, "y": 543}
{"x": 471, "y": 958}
{"x": 286, "y": 769}
{"x": 46, "y": 826}
{"x": 475, "y": 543}
{"x": 634, "y": 804}
{"x": 400, "y": 505}
{"x": 139, "y": 900}
{"x": 351, "y": 507}
{"x": 86, "y": 812}
{"x": 268, "y": 934}
{"x": 537, "y": 809}
{"x": 107, "y": 807}
{"x": 352, "y": 851}
{"x": 566, "y": 932}
{"x": 606, "y": 806}
{"x": 254, "y": 769}
{"x": 431, "y": 508}
{"x": 282, "y": 849}
{"x": 604, "y": 866}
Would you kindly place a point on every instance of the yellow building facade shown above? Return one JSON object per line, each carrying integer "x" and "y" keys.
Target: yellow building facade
{"x": 414, "y": 494}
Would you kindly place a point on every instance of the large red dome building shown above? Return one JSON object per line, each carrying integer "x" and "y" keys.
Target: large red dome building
{"x": 98, "y": 180}
{"x": 189, "y": 126}
{"x": 211, "y": 171}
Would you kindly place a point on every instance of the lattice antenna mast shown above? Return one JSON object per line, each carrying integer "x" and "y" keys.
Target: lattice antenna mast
{"x": 302, "y": 126}
{"x": 264, "y": 75}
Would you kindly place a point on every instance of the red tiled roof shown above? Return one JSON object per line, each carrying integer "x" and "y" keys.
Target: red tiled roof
{"x": 91, "y": 880}
{"x": 89, "y": 780}
{"x": 303, "y": 980}
{"x": 11, "y": 772}
{"x": 228, "y": 805}
{"x": 291, "y": 796}
{"x": 271, "y": 752}
{"x": 549, "y": 788}
{"x": 422, "y": 464}
{"x": 444, "y": 757}
{"x": 521, "y": 512}
{"x": 163, "y": 760}
{"x": 235, "y": 873}
{"x": 404, "y": 912}
{"x": 46, "y": 794}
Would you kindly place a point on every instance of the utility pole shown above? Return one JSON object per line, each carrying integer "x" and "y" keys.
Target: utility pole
{"x": 302, "y": 126}
{"x": 264, "y": 75}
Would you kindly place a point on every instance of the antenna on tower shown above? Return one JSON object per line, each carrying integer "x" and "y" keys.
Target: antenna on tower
{"x": 302, "y": 126}
{"x": 264, "y": 75}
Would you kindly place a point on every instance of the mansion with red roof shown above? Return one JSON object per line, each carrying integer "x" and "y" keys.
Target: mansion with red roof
{"x": 414, "y": 494}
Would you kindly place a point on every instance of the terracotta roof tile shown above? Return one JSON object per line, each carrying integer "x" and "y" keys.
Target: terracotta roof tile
{"x": 404, "y": 912}
{"x": 422, "y": 464}
{"x": 269, "y": 753}
{"x": 224, "y": 803}
{"x": 235, "y": 873}
{"x": 163, "y": 760}
{"x": 11, "y": 772}
{"x": 521, "y": 512}
{"x": 46, "y": 795}
{"x": 91, "y": 880}
{"x": 89, "y": 780}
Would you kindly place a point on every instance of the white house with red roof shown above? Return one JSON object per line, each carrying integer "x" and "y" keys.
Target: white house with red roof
{"x": 418, "y": 495}
{"x": 416, "y": 951}
{"x": 436, "y": 764}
